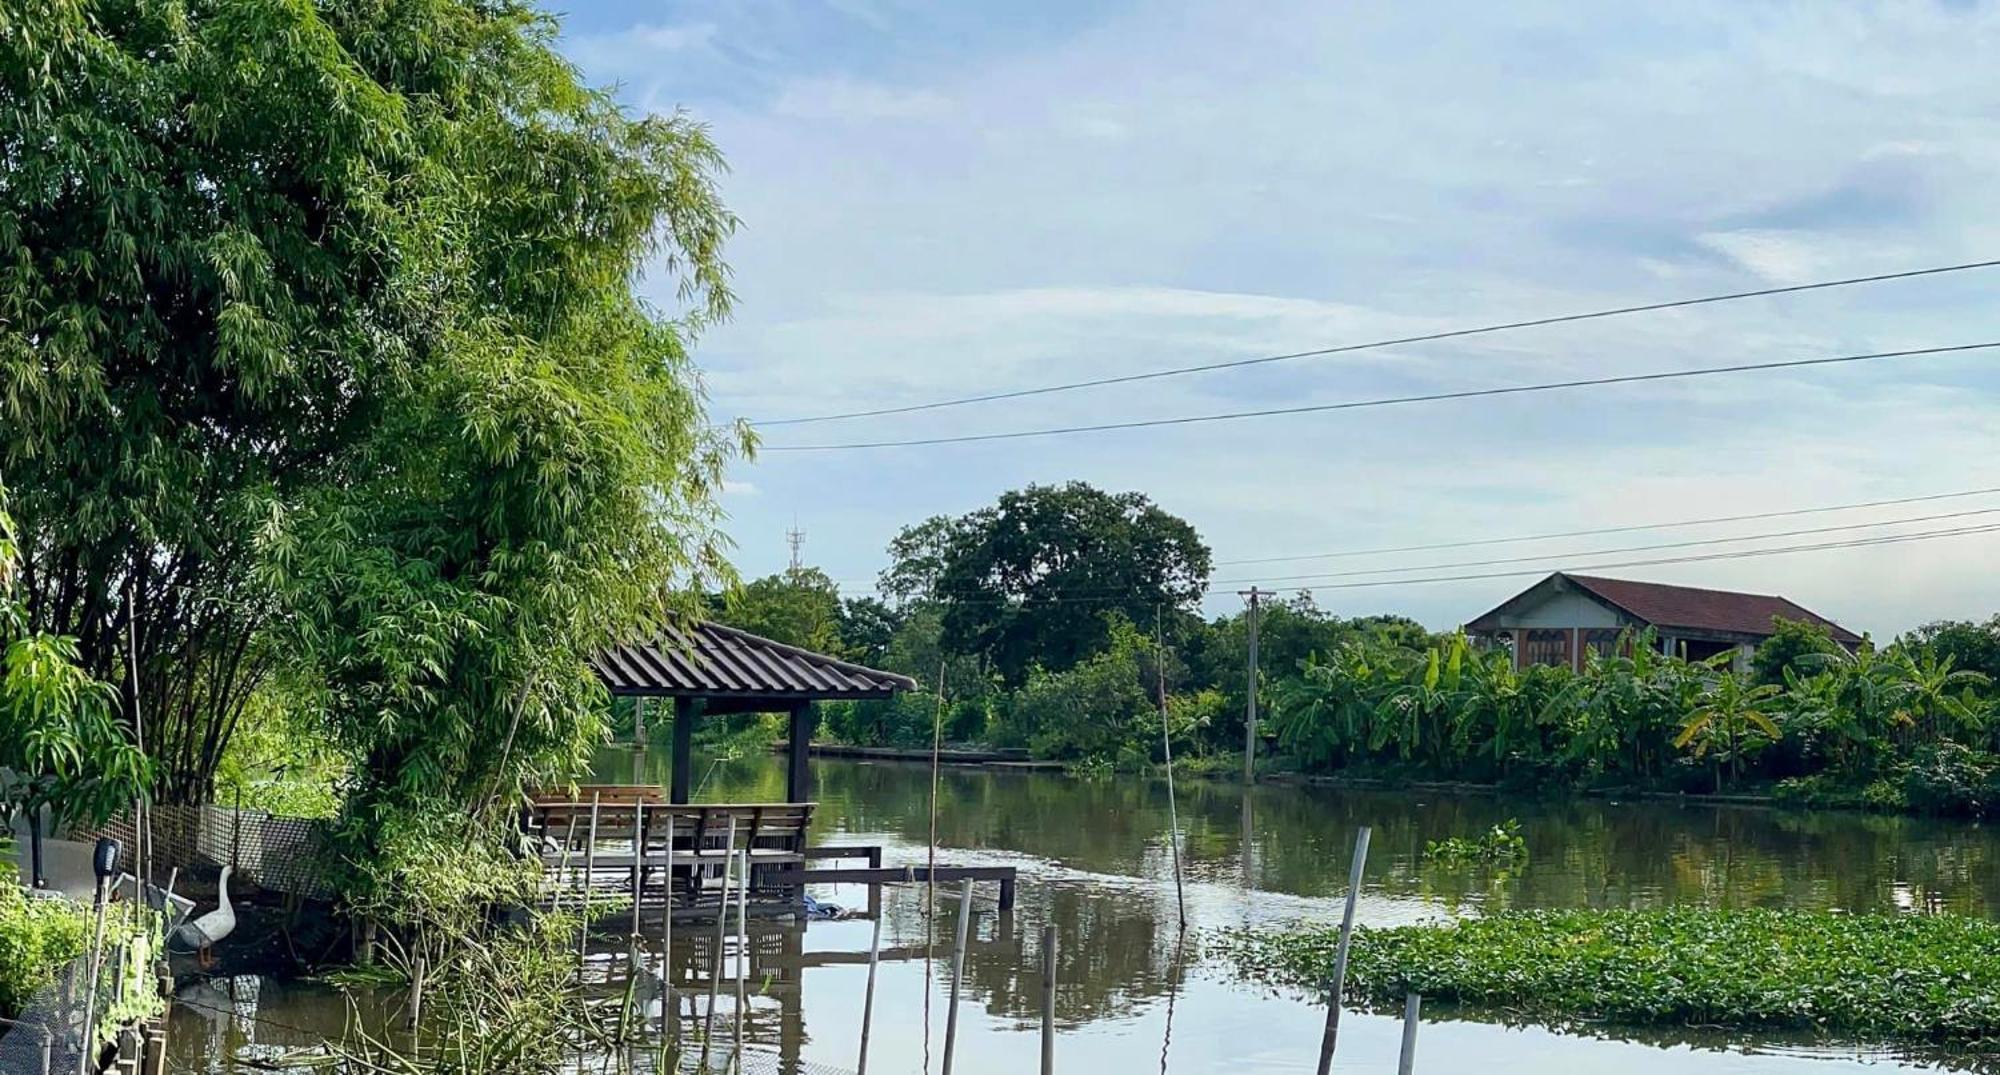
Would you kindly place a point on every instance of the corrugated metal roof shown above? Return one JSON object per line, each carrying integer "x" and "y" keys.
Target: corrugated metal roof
{"x": 1663, "y": 605}
{"x": 710, "y": 660}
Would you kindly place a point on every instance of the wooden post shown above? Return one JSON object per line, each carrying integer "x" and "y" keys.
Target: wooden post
{"x": 957, "y": 972}
{"x": 1048, "y": 1000}
{"x": 686, "y": 712}
{"x": 868, "y": 999}
{"x": 798, "y": 770}
{"x": 417, "y": 994}
{"x": 638, "y": 860}
{"x": 742, "y": 947}
{"x": 721, "y": 923}
{"x": 589, "y": 872}
{"x": 1406, "y": 1060}
{"x": 667, "y": 930}
{"x": 1332, "y": 1033}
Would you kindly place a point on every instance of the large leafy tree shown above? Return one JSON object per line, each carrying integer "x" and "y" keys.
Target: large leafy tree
{"x": 320, "y": 335}
{"x": 1030, "y": 580}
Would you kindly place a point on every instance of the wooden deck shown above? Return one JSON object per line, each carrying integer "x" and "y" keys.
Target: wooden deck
{"x": 626, "y": 840}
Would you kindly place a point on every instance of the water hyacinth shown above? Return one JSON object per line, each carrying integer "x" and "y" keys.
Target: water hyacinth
{"x": 1931, "y": 978}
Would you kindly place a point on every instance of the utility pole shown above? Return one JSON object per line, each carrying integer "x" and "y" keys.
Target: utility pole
{"x": 1255, "y": 597}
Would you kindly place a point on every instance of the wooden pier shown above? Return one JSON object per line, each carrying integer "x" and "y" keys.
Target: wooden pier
{"x": 625, "y": 840}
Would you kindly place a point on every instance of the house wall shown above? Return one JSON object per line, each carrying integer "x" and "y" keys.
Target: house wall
{"x": 1567, "y": 610}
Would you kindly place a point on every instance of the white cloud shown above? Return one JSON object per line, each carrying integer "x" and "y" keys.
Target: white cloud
{"x": 732, "y": 487}
{"x": 1141, "y": 191}
{"x": 851, "y": 100}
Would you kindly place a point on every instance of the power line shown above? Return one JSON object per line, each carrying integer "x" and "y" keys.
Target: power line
{"x": 1428, "y": 337}
{"x": 1695, "y": 543}
{"x": 1736, "y": 554}
{"x": 862, "y": 586}
{"x": 1358, "y": 404}
{"x": 1740, "y": 554}
{"x": 1713, "y": 519}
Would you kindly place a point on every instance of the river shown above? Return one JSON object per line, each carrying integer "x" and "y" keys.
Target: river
{"x": 1096, "y": 862}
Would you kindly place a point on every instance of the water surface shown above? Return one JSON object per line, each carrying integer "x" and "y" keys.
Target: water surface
{"x": 1134, "y": 995}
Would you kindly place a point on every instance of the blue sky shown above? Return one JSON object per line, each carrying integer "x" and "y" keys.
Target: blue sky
{"x": 946, "y": 199}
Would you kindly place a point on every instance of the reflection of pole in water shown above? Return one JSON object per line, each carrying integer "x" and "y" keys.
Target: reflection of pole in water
{"x": 1244, "y": 841}
{"x": 1048, "y": 1000}
{"x": 868, "y": 1001}
{"x": 1173, "y": 992}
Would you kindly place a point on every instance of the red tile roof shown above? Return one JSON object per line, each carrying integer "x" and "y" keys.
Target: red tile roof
{"x": 712, "y": 661}
{"x": 1713, "y": 610}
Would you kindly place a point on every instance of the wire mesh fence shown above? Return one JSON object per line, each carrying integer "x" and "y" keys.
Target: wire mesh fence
{"x": 277, "y": 853}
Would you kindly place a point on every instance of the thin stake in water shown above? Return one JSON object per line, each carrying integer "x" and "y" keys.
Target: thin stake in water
{"x": 957, "y": 972}
{"x": 721, "y": 923}
{"x": 868, "y": 1000}
{"x": 1167, "y": 751}
{"x": 1406, "y": 1061}
{"x": 1332, "y": 1034}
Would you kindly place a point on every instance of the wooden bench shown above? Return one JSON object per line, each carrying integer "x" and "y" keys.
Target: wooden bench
{"x": 632, "y": 833}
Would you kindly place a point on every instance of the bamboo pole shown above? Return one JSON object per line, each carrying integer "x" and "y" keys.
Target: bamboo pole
{"x": 1167, "y": 752}
{"x": 742, "y": 949}
{"x": 957, "y": 972}
{"x": 667, "y": 931}
{"x": 1332, "y": 1034}
{"x": 721, "y": 923}
{"x": 1406, "y": 1060}
{"x": 417, "y": 993}
{"x": 1048, "y": 1000}
{"x": 589, "y": 873}
{"x": 868, "y": 999}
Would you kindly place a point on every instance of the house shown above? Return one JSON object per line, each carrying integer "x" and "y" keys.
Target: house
{"x": 1557, "y": 620}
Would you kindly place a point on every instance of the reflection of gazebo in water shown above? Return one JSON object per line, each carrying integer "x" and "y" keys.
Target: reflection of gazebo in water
{"x": 653, "y": 845}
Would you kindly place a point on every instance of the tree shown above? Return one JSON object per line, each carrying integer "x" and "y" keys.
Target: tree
{"x": 316, "y": 322}
{"x": 1027, "y": 582}
{"x": 800, "y": 607}
{"x": 1794, "y": 644}
{"x": 868, "y": 628}
{"x": 1972, "y": 647}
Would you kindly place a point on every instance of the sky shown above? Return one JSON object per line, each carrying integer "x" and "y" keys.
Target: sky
{"x": 944, "y": 200}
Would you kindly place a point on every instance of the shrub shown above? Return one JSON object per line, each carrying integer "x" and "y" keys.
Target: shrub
{"x": 1949, "y": 778}
{"x": 37, "y": 936}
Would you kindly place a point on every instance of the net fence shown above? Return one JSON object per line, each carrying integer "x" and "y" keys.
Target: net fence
{"x": 277, "y": 853}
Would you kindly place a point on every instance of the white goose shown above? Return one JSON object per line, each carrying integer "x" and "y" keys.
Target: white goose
{"x": 197, "y": 936}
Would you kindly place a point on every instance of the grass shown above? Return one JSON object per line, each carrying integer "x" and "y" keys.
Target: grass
{"x": 1930, "y": 978}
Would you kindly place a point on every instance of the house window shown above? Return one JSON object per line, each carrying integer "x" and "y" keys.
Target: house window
{"x": 1547, "y": 646}
{"x": 1604, "y": 641}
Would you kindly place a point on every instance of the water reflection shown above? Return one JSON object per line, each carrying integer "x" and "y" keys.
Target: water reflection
{"x": 1096, "y": 865}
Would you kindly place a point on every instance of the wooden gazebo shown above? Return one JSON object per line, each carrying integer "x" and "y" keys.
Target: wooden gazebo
{"x": 707, "y": 668}
{"x": 667, "y": 854}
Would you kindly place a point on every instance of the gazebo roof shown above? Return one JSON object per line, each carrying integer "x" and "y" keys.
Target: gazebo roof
{"x": 741, "y": 670}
